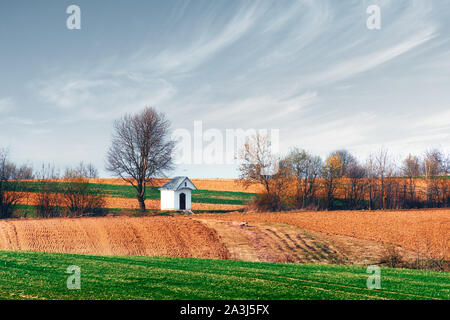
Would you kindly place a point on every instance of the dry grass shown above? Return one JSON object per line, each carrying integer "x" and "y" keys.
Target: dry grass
{"x": 153, "y": 236}
{"x": 424, "y": 231}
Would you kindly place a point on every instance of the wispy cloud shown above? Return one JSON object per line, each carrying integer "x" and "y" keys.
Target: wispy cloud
{"x": 94, "y": 97}
{"x": 332, "y": 133}
{"x": 361, "y": 64}
{"x": 260, "y": 112}
{"x": 180, "y": 60}
{"x": 6, "y": 104}
{"x": 20, "y": 121}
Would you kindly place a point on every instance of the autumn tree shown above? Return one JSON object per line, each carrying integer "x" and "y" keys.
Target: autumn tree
{"x": 260, "y": 166}
{"x": 411, "y": 170}
{"x": 306, "y": 169}
{"x": 384, "y": 169}
{"x": 141, "y": 149}
{"x": 257, "y": 162}
{"x": 347, "y": 160}
{"x": 434, "y": 167}
{"x": 356, "y": 175}
{"x": 446, "y": 182}
{"x": 434, "y": 163}
{"x": 331, "y": 172}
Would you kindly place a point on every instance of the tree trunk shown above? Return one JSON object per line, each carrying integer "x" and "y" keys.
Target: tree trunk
{"x": 141, "y": 203}
{"x": 141, "y": 194}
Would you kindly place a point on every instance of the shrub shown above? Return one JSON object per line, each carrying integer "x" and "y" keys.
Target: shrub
{"x": 11, "y": 191}
{"x": 81, "y": 198}
{"x": 392, "y": 256}
{"x": 49, "y": 200}
{"x": 78, "y": 195}
{"x": 266, "y": 202}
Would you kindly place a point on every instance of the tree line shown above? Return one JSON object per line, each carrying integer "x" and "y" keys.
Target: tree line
{"x": 54, "y": 194}
{"x": 301, "y": 180}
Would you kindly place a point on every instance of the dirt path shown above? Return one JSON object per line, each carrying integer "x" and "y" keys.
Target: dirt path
{"x": 426, "y": 231}
{"x": 272, "y": 242}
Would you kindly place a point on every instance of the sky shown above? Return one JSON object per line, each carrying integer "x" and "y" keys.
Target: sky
{"x": 310, "y": 69}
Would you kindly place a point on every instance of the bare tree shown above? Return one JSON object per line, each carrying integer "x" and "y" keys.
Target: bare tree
{"x": 434, "y": 163}
{"x": 356, "y": 175}
{"x": 306, "y": 169}
{"x": 141, "y": 150}
{"x": 85, "y": 170}
{"x": 48, "y": 198}
{"x": 347, "y": 160}
{"x": 79, "y": 196}
{"x": 445, "y": 183}
{"x": 371, "y": 180}
{"x": 331, "y": 172}
{"x": 11, "y": 189}
{"x": 433, "y": 167}
{"x": 384, "y": 171}
{"x": 260, "y": 166}
{"x": 411, "y": 169}
{"x": 257, "y": 162}
{"x": 447, "y": 165}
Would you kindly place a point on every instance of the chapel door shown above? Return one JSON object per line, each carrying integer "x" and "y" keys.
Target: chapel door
{"x": 182, "y": 201}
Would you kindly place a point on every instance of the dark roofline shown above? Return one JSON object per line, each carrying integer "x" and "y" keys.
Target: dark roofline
{"x": 174, "y": 184}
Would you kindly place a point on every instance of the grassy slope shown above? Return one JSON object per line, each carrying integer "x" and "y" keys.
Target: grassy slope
{"x": 127, "y": 191}
{"x": 26, "y": 275}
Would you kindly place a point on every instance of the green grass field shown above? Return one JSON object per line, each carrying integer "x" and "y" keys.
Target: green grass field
{"x": 127, "y": 191}
{"x": 28, "y": 275}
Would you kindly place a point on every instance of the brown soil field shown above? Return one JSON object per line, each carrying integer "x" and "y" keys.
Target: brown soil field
{"x": 273, "y": 242}
{"x": 424, "y": 231}
{"x": 153, "y": 236}
{"x": 302, "y": 237}
{"x": 189, "y": 237}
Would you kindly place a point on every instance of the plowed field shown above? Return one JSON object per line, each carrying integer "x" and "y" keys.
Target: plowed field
{"x": 425, "y": 231}
{"x": 153, "y": 236}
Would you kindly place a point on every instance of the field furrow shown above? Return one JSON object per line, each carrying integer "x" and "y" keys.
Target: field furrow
{"x": 152, "y": 236}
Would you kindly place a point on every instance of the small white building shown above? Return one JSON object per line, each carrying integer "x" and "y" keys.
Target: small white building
{"x": 176, "y": 194}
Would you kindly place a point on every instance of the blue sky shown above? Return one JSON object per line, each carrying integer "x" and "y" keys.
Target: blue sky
{"x": 311, "y": 69}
